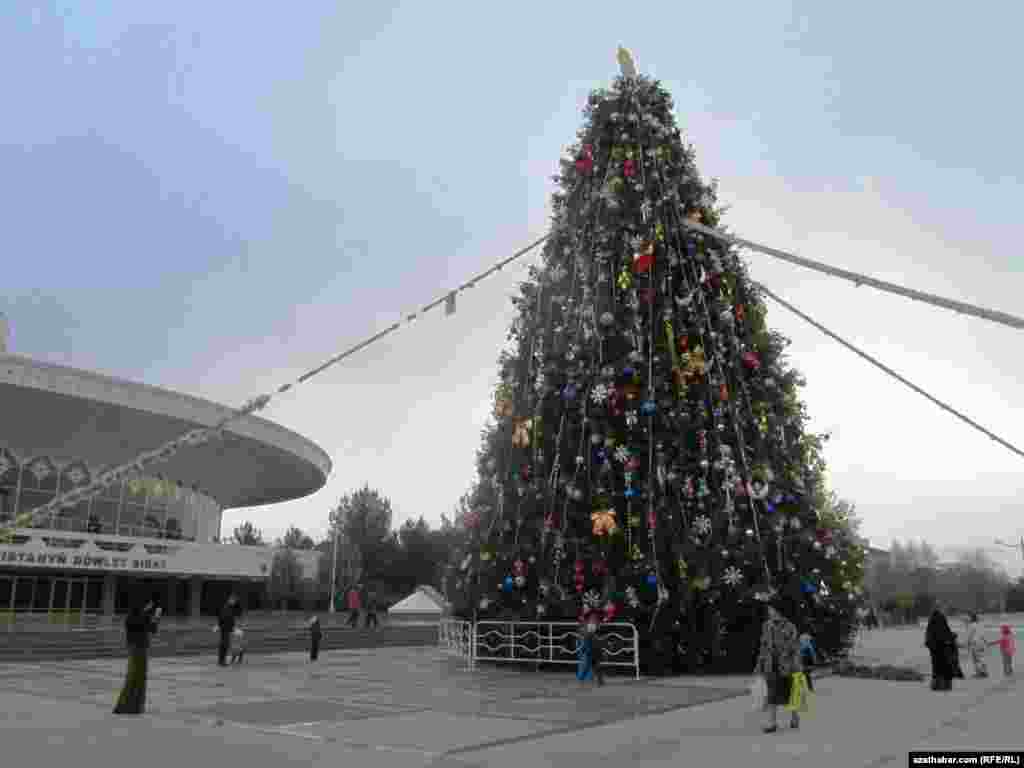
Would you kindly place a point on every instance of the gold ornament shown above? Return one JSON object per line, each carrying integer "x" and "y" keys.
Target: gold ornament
{"x": 503, "y": 407}
{"x": 604, "y": 522}
{"x": 521, "y": 435}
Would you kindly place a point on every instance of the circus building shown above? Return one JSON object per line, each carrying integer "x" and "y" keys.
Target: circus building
{"x": 60, "y": 426}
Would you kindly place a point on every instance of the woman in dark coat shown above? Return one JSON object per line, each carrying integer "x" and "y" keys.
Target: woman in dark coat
{"x": 138, "y": 626}
{"x": 941, "y": 644}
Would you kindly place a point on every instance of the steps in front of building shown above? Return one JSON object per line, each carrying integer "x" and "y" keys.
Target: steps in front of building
{"x": 49, "y": 646}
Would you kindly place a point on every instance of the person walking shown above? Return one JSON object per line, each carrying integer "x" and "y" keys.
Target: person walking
{"x": 778, "y": 661}
{"x": 371, "y": 609}
{"x": 976, "y": 646}
{"x": 138, "y": 626}
{"x": 941, "y": 644}
{"x": 316, "y": 634}
{"x": 354, "y": 604}
{"x": 1007, "y": 648}
{"x": 226, "y": 625}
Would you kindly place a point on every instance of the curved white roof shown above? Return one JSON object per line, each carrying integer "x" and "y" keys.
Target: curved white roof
{"x": 52, "y": 410}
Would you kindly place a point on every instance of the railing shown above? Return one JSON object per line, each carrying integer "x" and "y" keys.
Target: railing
{"x": 455, "y": 637}
{"x": 537, "y": 642}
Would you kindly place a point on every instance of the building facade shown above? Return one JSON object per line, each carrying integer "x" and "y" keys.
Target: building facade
{"x": 158, "y": 534}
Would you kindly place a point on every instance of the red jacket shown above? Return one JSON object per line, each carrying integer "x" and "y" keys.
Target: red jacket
{"x": 354, "y": 601}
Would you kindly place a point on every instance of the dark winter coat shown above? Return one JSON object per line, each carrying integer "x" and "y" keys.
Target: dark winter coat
{"x": 138, "y": 627}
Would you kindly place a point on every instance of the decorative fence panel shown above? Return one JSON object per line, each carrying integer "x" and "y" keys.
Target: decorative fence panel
{"x": 534, "y": 642}
{"x": 456, "y": 638}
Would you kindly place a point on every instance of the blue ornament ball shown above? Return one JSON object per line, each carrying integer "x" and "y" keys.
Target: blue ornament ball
{"x": 648, "y": 408}
{"x": 652, "y": 580}
{"x": 630, "y": 493}
{"x": 628, "y": 370}
{"x": 809, "y": 588}
{"x": 509, "y": 583}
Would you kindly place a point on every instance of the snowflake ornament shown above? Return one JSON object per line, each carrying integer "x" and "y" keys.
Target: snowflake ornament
{"x": 592, "y": 600}
{"x": 622, "y": 454}
{"x": 599, "y": 394}
{"x": 631, "y": 597}
{"x": 631, "y": 419}
{"x": 830, "y": 551}
{"x": 733, "y": 576}
{"x": 702, "y": 525}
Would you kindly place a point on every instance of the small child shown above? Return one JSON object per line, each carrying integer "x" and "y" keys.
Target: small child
{"x": 591, "y": 651}
{"x": 808, "y": 655}
{"x": 1007, "y": 647}
{"x": 237, "y": 646}
{"x": 315, "y": 636}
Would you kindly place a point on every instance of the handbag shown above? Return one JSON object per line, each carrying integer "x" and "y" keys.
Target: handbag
{"x": 799, "y": 694}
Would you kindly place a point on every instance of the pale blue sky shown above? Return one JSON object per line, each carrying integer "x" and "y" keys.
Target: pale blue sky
{"x": 213, "y": 197}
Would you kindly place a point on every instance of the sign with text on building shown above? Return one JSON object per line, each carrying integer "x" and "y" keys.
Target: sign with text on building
{"x": 60, "y": 559}
{"x": 37, "y": 549}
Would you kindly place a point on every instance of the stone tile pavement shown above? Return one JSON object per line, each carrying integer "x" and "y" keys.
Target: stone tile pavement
{"x": 414, "y": 707}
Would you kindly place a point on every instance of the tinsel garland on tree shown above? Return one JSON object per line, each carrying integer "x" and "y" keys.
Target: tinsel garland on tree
{"x": 649, "y": 460}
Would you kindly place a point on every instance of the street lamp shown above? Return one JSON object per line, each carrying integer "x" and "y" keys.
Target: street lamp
{"x": 334, "y": 574}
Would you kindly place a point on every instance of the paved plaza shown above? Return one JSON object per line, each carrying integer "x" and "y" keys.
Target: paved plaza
{"x": 415, "y": 707}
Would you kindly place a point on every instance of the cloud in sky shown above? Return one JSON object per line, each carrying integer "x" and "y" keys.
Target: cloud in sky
{"x": 216, "y": 208}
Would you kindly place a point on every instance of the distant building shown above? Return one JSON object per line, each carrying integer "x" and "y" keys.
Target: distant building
{"x": 60, "y": 427}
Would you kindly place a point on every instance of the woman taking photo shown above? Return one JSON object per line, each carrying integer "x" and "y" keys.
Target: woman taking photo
{"x": 138, "y": 626}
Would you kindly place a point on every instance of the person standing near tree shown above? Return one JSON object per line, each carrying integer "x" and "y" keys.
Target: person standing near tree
{"x": 778, "y": 661}
{"x": 941, "y": 644}
{"x": 371, "y": 609}
{"x": 977, "y": 646}
{"x": 316, "y": 634}
{"x": 354, "y": 604}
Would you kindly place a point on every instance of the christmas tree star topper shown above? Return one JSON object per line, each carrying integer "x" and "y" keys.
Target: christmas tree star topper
{"x": 626, "y": 63}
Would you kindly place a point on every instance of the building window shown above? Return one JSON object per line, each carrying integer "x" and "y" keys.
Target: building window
{"x": 133, "y": 517}
{"x": 104, "y": 513}
{"x": 9, "y": 469}
{"x": 6, "y": 504}
{"x": 38, "y": 487}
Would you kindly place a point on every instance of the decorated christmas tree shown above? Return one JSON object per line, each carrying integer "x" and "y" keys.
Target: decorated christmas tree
{"x": 649, "y": 461}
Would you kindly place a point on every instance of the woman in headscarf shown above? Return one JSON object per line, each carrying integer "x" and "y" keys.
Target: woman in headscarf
{"x": 138, "y": 626}
{"x": 977, "y": 646}
{"x": 778, "y": 661}
{"x": 941, "y": 644}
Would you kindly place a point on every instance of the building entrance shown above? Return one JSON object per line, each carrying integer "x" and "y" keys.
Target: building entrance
{"x": 43, "y": 593}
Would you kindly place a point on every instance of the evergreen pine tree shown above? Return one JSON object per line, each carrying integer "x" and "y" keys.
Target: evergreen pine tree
{"x": 649, "y": 459}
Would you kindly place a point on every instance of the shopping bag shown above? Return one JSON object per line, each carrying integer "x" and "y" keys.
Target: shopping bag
{"x": 758, "y": 693}
{"x": 799, "y": 694}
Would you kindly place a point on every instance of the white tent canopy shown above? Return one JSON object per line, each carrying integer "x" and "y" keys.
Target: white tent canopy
{"x": 419, "y": 602}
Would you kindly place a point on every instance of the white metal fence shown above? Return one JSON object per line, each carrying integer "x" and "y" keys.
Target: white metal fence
{"x": 553, "y": 642}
